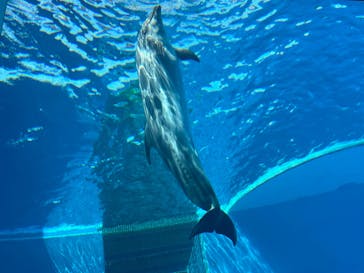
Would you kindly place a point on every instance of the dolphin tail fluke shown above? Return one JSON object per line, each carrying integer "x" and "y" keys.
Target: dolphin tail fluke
{"x": 216, "y": 220}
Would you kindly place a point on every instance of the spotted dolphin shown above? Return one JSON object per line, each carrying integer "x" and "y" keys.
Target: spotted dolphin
{"x": 167, "y": 127}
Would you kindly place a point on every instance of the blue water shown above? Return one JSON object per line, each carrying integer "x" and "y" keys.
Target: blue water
{"x": 278, "y": 81}
{"x": 313, "y": 234}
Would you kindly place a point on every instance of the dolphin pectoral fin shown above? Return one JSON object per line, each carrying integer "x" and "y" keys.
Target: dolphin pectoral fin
{"x": 186, "y": 54}
{"x": 147, "y": 144}
{"x": 216, "y": 220}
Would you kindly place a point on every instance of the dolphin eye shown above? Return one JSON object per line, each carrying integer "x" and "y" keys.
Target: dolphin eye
{"x": 144, "y": 30}
{"x": 156, "y": 45}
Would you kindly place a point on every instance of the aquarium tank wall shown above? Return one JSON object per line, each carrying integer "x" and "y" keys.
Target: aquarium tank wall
{"x": 276, "y": 113}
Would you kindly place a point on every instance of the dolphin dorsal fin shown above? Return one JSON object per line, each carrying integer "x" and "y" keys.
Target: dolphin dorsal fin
{"x": 186, "y": 54}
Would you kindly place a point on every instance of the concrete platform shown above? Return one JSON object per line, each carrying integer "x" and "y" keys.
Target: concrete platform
{"x": 159, "y": 246}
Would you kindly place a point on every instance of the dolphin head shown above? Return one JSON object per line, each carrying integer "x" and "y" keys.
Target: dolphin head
{"x": 152, "y": 27}
{"x": 155, "y": 17}
{"x": 152, "y": 36}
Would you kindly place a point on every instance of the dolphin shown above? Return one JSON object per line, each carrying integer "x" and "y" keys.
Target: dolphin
{"x": 167, "y": 127}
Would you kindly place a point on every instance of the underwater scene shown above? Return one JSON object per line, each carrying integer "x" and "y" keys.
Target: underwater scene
{"x": 181, "y": 136}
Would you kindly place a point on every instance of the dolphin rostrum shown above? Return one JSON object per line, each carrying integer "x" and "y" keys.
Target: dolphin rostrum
{"x": 167, "y": 128}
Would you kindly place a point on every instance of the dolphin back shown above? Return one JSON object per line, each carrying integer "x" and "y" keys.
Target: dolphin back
{"x": 218, "y": 221}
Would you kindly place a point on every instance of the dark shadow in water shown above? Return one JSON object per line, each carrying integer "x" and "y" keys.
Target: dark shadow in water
{"x": 323, "y": 233}
{"x": 310, "y": 218}
{"x": 39, "y": 127}
{"x": 25, "y": 256}
{"x": 319, "y": 172}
